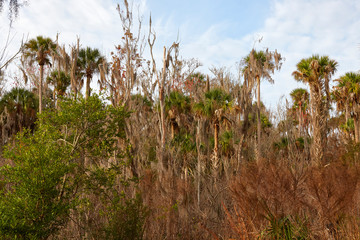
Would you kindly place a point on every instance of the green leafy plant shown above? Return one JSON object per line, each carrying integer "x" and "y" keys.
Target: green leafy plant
{"x": 39, "y": 186}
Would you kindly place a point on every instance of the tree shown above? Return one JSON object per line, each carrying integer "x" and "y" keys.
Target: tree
{"x": 39, "y": 49}
{"x": 89, "y": 60}
{"x": 347, "y": 96}
{"x": 300, "y": 98}
{"x": 213, "y": 107}
{"x": 76, "y": 76}
{"x": 101, "y": 165}
{"x": 260, "y": 65}
{"x": 60, "y": 81}
{"x": 37, "y": 196}
{"x": 316, "y": 71}
{"x": 18, "y": 111}
{"x": 175, "y": 104}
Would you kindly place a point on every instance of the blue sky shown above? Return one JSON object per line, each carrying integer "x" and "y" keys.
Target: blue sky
{"x": 217, "y": 32}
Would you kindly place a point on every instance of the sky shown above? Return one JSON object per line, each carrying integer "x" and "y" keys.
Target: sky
{"x": 219, "y": 33}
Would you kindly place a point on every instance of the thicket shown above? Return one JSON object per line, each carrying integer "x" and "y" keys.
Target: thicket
{"x": 167, "y": 152}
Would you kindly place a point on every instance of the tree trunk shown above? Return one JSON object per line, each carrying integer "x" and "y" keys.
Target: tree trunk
{"x": 356, "y": 128}
{"x": 319, "y": 126}
{"x": 74, "y": 57}
{"x": 40, "y": 88}
{"x": 347, "y": 117}
{"x": 258, "y": 149}
{"x": 198, "y": 142}
{"x": 162, "y": 113}
{"x": 300, "y": 121}
{"x": 88, "y": 79}
{"x": 56, "y": 94}
{"x": 356, "y": 131}
{"x": 216, "y": 144}
{"x": 174, "y": 127}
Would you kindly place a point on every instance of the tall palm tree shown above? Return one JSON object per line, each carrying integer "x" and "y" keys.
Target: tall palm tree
{"x": 213, "y": 107}
{"x": 89, "y": 60}
{"x": 260, "y": 65}
{"x": 347, "y": 96}
{"x": 316, "y": 71}
{"x": 39, "y": 49}
{"x": 301, "y": 99}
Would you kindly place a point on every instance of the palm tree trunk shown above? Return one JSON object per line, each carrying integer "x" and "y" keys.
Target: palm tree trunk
{"x": 356, "y": 128}
{"x": 88, "y": 78}
{"x": 347, "y": 117}
{"x": 198, "y": 131}
{"x": 258, "y": 149}
{"x": 173, "y": 123}
{"x": 216, "y": 143}
{"x": 319, "y": 128}
{"x": 299, "y": 112}
{"x": 40, "y": 88}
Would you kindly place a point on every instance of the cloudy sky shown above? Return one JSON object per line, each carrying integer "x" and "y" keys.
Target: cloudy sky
{"x": 217, "y": 32}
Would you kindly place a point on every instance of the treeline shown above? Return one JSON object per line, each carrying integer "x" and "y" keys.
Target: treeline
{"x": 164, "y": 151}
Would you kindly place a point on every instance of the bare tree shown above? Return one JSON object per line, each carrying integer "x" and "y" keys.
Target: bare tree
{"x": 5, "y": 57}
{"x": 76, "y": 79}
{"x": 14, "y": 6}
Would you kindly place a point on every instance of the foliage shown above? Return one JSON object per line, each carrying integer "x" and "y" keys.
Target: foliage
{"x": 60, "y": 81}
{"x": 184, "y": 142}
{"x": 37, "y": 198}
{"x": 226, "y": 141}
{"x": 88, "y": 170}
{"x": 214, "y": 99}
{"x": 88, "y": 124}
{"x": 39, "y": 49}
{"x": 89, "y": 60}
{"x": 286, "y": 228}
{"x": 265, "y": 122}
{"x": 62, "y": 165}
{"x": 177, "y": 103}
{"x": 126, "y": 219}
{"x": 18, "y": 111}
{"x": 317, "y": 72}
{"x": 348, "y": 126}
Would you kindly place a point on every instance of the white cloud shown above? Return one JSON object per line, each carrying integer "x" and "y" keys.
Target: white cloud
{"x": 297, "y": 29}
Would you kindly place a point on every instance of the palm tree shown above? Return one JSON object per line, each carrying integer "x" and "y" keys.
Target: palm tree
{"x": 39, "y": 49}
{"x": 60, "y": 81}
{"x": 260, "y": 65}
{"x": 17, "y": 111}
{"x": 347, "y": 96}
{"x": 317, "y": 71}
{"x": 89, "y": 60}
{"x": 300, "y": 98}
{"x": 213, "y": 107}
{"x": 176, "y": 104}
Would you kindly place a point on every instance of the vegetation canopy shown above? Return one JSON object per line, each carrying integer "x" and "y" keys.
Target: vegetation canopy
{"x": 125, "y": 147}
